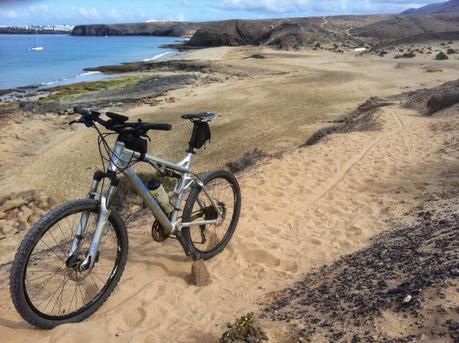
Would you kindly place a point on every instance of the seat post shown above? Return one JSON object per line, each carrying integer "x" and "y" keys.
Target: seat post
{"x": 193, "y": 138}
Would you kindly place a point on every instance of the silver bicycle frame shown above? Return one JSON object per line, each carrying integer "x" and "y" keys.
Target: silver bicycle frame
{"x": 119, "y": 161}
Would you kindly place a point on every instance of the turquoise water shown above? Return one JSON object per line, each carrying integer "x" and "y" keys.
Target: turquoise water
{"x": 64, "y": 57}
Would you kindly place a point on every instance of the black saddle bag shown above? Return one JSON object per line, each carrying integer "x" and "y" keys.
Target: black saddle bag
{"x": 201, "y": 134}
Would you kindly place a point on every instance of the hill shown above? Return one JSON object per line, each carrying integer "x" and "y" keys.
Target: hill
{"x": 291, "y": 33}
{"x": 444, "y": 7}
{"x": 282, "y": 33}
{"x": 401, "y": 27}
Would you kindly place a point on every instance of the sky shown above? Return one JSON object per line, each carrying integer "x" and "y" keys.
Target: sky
{"x": 40, "y": 12}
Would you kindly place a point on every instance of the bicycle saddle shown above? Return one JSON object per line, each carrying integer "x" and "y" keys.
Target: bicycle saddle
{"x": 199, "y": 116}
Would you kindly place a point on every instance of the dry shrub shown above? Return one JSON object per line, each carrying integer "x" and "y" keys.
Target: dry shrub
{"x": 245, "y": 330}
{"x": 247, "y": 160}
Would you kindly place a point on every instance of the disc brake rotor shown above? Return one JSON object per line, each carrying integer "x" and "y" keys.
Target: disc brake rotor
{"x": 73, "y": 268}
{"x": 210, "y": 213}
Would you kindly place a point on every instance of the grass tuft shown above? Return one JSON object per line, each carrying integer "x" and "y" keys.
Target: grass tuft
{"x": 245, "y": 329}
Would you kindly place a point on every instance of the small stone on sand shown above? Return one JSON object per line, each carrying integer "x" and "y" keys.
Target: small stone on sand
{"x": 199, "y": 274}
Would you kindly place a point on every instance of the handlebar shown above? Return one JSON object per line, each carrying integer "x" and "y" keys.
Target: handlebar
{"x": 117, "y": 123}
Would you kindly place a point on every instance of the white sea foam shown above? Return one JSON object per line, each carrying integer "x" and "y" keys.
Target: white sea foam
{"x": 158, "y": 56}
{"x": 87, "y": 73}
{"x": 49, "y": 83}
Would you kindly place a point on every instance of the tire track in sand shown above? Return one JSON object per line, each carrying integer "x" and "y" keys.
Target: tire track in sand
{"x": 350, "y": 164}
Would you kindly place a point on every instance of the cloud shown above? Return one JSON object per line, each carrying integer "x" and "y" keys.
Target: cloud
{"x": 113, "y": 13}
{"x": 38, "y": 9}
{"x": 91, "y": 13}
{"x": 180, "y": 17}
{"x": 310, "y": 7}
{"x": 277, "y": 6}
{"x": 8, "y": 14}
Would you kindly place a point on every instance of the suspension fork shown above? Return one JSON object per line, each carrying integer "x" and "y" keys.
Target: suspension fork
{"x": 104, "y": 214}
{"x": 105, "y": 201}
{"x": 82, "y": 224}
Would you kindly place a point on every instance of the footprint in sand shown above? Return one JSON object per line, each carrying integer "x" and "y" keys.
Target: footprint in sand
{"x": 315, "y": 241}
{"x": 278, "y": 194}
{"x": 289, "y": 266}
{"x": 134, "y": 317}
{"x": 91, "y": 292}
{"x": 259, "y": 256}
{"x": 267, "y": 206}
{"x": 76, "y": 335}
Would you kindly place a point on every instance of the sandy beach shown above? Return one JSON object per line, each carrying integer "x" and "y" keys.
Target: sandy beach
{"x": 303, "y": 207}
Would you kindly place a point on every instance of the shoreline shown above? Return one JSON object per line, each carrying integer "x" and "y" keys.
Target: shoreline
{"x": 170, "y": 49}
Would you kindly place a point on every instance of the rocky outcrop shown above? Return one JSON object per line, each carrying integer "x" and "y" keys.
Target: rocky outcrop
{"x": 21, "y": 210}
{"x": 233, "y": 32}
{"x": 172, "y": 28}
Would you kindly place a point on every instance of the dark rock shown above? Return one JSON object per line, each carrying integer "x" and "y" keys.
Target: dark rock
{"x": 257, "y": 56}
{"x": 438, "y": 102}
{"x": 406, "y": 55}
{"x": 441, "y": 56}
{"x": 450, "y": 51}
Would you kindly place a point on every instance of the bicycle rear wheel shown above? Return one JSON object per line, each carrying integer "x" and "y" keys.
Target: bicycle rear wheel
{"x": 47, "y": 288}
{"x": 206, "y": 241}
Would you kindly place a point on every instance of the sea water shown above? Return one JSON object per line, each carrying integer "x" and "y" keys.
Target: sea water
{"x": 64, "y": 56}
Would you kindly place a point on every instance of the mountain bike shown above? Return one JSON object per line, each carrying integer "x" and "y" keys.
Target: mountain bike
{"x": 71, "y": 260}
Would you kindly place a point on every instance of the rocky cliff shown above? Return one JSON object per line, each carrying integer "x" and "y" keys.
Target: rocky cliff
{"x": 171, "y": 28}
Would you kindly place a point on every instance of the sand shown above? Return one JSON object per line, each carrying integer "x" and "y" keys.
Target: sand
{"x": 300, "y": 211}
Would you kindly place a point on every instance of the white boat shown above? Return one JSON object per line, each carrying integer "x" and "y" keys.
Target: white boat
{"x": 37, "y": 47}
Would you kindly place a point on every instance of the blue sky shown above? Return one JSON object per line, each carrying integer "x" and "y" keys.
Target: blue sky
{"x": 110, "y": 11}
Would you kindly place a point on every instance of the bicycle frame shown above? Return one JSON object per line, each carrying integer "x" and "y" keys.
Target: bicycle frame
{"x": 119, "y": 161}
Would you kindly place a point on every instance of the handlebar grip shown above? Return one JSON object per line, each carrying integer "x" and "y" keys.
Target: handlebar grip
{"x": 82, "y": 111}
{"x": 157, "y": 126}
{"x": 86, "y": 112}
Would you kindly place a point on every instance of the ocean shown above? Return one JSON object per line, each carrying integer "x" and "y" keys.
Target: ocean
{"x": 64, "y": 56}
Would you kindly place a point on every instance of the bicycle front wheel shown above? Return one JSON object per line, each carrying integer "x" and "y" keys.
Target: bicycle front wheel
{"x": 49, "y": 290}
{"x": 206, "y": 241}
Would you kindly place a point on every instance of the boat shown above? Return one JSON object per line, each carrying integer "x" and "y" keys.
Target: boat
{"x": 37, "y": 47}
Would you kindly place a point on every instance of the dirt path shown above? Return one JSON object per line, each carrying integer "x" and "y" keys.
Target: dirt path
{"x": 299, "y": 212}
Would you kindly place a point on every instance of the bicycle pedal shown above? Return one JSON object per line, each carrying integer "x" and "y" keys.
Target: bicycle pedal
{"x": 158, "y": 233}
